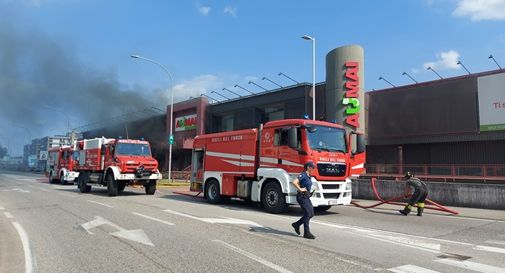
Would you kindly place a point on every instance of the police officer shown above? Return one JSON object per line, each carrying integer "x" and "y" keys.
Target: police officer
{"x": 419, "y": 196}
{"x": 303, "y": 184}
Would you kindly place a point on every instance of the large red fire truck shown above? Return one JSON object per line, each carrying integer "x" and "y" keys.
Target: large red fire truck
{"x": 115, "y": 163}
{"x": 259, "y": 164}
{"x": 60, "y": 165}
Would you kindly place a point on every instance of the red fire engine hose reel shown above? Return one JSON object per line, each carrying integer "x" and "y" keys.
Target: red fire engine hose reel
{"x": 394, "y": 201}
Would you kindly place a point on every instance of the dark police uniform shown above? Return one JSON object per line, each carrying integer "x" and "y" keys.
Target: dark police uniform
{"x": 303, "y": 198}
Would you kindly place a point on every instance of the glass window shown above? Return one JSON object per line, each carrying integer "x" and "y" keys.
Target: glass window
{"x": 227, "y": 123}
{"x": 322, "y": 138}
{"x": 133, "y": 149}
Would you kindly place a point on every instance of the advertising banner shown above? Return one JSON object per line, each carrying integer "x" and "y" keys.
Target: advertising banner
{"x": 491, "y": 90}
{"x": 185, "y": 123}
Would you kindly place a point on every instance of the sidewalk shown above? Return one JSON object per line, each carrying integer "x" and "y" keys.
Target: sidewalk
{"x": 498, "y": 215}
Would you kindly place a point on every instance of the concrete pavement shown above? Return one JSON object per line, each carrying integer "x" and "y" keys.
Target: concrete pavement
{"x": 73, "y": 232}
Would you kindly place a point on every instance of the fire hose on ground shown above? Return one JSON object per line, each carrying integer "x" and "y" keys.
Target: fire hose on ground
{"x": 394, "y": 201}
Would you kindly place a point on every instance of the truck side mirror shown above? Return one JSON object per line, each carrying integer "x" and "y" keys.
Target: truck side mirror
{"x": 360, "y": 144}
{"x": 292, "y": 138}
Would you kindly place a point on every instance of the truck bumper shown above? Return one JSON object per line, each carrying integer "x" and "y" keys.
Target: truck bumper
{"x": 70, "y": 176}
{"x": 131, "y": 176}
{"x": 328, "y": 193}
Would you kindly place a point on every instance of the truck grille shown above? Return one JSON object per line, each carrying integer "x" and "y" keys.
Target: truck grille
{"x": 331, "y": 195}
{"x": 330, "y": 169}
{"x": 330, "y": 186}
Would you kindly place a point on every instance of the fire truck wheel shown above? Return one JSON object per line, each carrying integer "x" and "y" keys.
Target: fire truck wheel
{"x": 82, "y": 184}
{"x": 150, "y": 187}
{"x": 121, "y": 187}
{"x": 272, "y": 198}
{"x": 112, "y": 185}
{"x": 321, "y": 208}
{"x": 62, "y": 181}
{"x": 52, "y": 180}
{"x": 212, "y": 192}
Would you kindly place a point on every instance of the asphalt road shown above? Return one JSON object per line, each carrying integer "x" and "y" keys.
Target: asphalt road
{"x": 54, "y": 228}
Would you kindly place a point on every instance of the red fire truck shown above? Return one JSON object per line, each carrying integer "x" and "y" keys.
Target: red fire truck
{"x": 259, "y": 164}
{"x": 115, "y": 163}
{"x": 60, "y": 165}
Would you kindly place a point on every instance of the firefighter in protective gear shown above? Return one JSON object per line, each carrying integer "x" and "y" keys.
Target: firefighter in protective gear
{"x": 303, "y": 185}
{"x": 419, "y": 196}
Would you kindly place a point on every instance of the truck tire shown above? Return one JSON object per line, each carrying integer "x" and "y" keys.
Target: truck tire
{"x": 82, "y": 183}
{"x": 321, "y": 209}
{"x": 52, "y": 180}
{"x": 272, "y": 198}
{"x": 150, "y": 187}
{"x": 112, "y": 185}
{"x": 212, "y": 192}
{"x": 62, "y": 180}
{"x": 121, "y": 186}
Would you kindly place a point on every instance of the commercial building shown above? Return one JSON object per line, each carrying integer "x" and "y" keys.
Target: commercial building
{"x": 35, "y": 153}
{"x": 448, "y": 127}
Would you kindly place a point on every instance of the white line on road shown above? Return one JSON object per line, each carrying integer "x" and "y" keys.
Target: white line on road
{"x": 106, "y": 205}
{"x": 29, "y": 265}
{"x": 8, "y": 215}
{"x": 254, "y": 257}
{"x": 490, "y": 249}
{"x": 411, "y": 269}
{"x": 478, "y": 267}
{"x": 2, "y": 208}
{"x": 232, "y": 221}
{"x": 488, "y": 242}
{"x": 154, "y": 219}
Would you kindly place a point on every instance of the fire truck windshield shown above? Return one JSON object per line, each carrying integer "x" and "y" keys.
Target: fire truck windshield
{"x": 322, "y": 138}
{"x": 133, "y": 149}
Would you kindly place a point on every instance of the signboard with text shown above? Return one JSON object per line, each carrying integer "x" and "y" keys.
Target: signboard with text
{"x": 491, "y": 90}
{"x": 185, "y": 123}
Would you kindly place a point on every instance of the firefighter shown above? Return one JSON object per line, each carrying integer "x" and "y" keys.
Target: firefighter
{"x": 303, "y": 185}
{"x": 419, "y": 196}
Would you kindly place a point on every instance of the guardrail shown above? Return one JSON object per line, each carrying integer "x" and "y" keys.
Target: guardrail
{"x": 178, "y": 175}
{"x": 445, "y": 172}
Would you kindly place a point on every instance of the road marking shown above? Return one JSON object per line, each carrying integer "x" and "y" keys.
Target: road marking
{"x": 106, "y": 205}
{"x": 18, "y": 190}
{"x": 227, "y": 220}
{"x": 478, "y": 267}
{"x": 490, "y": 249}
{"x": 154, "y": 219}
{"x": 411, "y": 269}
{"x": 136, "y": 235}
{"x": 254, "y": 257}
{"x": 2, "y": 208}
{"x": 26, "y": 247}
{"x": 8, "y": 215}
{"x": 489, "y": 242}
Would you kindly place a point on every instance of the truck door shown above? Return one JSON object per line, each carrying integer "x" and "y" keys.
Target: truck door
{"x": 287, "y": 158}
{"x": 197, "y": 164}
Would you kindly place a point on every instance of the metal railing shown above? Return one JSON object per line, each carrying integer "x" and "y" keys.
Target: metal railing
{"x": 445, "y": 172}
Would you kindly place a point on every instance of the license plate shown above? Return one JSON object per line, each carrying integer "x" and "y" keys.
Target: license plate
{"x": 332, "y": 202}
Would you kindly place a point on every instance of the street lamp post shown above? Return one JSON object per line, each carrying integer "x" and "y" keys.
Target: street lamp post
{"x": 313, "y": 39}
{"x": 171, "y": 110}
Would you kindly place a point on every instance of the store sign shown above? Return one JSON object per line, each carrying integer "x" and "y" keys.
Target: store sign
{"x": 351, "y": 96}
{"x": 491, "y": 90}
{"x": 185, "y": 123}
{"x": 43, "y": 155}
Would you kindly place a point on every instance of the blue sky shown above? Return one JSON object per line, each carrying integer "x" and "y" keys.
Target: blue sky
{"x": 221, "y": 43}
{"x": 208, "y": 45}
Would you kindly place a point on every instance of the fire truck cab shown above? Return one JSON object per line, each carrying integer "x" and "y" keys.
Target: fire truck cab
{"x": 259, "y": 165}
{"x": 60, "y": 165}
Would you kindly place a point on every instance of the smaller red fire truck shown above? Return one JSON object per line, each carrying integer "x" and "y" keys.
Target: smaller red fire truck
{"x": 115, "y": 163}
{"x": 60, "y": 165}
